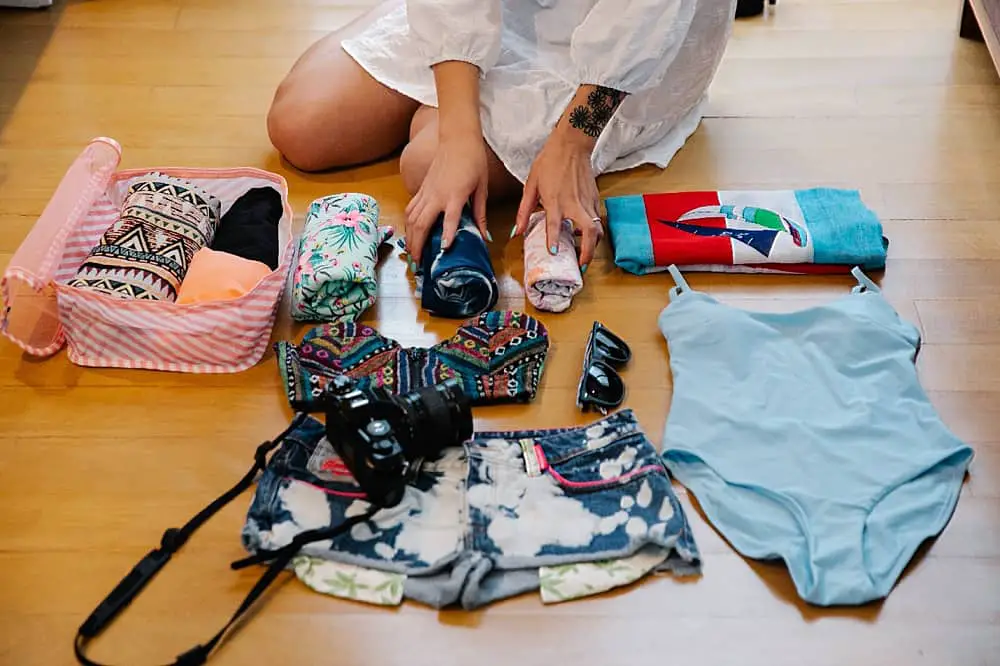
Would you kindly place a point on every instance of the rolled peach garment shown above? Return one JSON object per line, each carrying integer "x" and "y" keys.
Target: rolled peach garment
{"x": 219, "y": 276}
{"x": 550, "y": 281}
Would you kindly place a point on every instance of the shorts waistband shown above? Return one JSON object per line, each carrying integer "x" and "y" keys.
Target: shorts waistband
{"x": 556, "y": 443}
{"x": 560, "y": 443}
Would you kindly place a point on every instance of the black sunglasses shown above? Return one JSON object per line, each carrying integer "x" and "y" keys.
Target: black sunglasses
{"x": 600, "y": 384}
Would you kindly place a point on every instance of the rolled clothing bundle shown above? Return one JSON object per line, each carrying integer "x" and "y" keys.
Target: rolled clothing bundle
{"x": 145, "y": 254}
{"x": 819, "y": 230}
{"x": 550, "y": 282}
{"x": 458, "y": 282}
{"x": 249, "y": 229}
{"x": 334, "y": 279}
{"x": 219, "y": 276}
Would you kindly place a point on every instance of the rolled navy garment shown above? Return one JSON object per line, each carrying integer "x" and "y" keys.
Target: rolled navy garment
{"x": 550, "y": 281}
{"x": 458, "y": 282}
{"x": 334, "y": 278}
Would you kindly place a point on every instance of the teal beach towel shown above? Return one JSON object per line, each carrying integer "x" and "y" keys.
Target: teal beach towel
{"x": 820, "y": 230}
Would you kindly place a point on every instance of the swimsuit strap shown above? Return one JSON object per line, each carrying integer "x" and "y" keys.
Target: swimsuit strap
{"x": 679, "y": 280}
{"x": 865, "y": 283}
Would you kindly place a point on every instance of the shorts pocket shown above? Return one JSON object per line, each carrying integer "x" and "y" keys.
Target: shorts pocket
{"x": 322, "y": 468}
{"x": 625, "y": 460}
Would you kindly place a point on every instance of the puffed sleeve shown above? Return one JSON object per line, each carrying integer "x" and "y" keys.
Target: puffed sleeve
{"x": 628, "y": 45}
{"x": 466, "y": 30}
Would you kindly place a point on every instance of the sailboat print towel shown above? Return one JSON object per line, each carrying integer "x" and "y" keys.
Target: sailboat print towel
{"x": 819, "y": 230}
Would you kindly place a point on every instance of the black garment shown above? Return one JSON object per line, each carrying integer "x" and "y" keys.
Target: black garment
{"x": 748, "y": 8}
{"x": 249, "y": 229}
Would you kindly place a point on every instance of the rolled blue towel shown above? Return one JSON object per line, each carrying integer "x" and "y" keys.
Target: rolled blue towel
{"x": 458, "y": 282}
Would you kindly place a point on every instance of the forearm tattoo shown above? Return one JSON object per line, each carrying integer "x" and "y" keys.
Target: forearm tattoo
{"x": 591, "y": 118}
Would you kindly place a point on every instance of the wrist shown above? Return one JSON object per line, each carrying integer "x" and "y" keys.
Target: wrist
{"x": 457, "y": 85}
{"x": 573, "y": 139}
{"x": 459, "y": 127}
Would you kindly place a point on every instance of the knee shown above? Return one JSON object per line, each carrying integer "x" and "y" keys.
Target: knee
{"x": 292, "y": 131}
{"x": 414, "y": 163}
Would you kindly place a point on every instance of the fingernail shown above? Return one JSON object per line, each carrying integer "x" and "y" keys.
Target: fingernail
{"x": 553, "y": 249}
{"x": 583, "y": 269}
{"x": 513, "y": 232}
{"x": 489, "y": 236}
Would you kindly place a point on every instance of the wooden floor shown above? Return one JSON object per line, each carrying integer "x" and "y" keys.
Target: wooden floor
{"x": 94, "y": 464}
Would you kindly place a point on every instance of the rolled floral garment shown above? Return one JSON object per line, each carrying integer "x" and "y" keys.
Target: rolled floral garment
{"x": 334, "y": 279}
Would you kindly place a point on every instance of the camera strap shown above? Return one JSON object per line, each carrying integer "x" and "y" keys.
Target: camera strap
{"x": 174, "y": 538}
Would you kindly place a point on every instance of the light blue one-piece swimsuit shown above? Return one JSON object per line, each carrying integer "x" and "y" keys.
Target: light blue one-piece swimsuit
{"x": 807, "y": 436}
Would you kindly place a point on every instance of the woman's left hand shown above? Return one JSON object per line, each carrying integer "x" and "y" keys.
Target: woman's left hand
{"x": 562, "y": 179}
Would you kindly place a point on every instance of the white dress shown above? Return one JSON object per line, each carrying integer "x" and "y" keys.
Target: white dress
{"x": 534, "y": 54}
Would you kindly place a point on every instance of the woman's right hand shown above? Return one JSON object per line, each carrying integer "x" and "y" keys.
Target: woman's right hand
{"x": 457, "y": 175}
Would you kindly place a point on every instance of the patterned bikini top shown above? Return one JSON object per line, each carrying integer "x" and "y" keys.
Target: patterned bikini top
{"x": 499, "y": 357}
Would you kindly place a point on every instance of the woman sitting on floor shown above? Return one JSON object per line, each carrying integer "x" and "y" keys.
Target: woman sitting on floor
{"x": 504, "y": 98}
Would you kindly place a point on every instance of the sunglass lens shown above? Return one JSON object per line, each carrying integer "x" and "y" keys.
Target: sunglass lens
{"x": 609, "y": 346}
{"x": 603, "y": 385}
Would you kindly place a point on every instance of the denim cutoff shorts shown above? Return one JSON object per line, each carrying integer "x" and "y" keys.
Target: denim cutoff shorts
{"x": 564, "y": 510}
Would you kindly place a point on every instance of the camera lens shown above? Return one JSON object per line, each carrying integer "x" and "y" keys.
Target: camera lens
{"x": 437, "y": 417}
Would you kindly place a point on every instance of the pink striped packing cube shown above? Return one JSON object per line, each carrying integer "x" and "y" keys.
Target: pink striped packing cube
{"x": 42, "y": 313}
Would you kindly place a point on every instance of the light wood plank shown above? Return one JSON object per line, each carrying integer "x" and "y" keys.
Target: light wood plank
{"x": 965, "y": 367}
{"x": 57, "y": 100}
{"x": 931, "y": 200}
{"x": 858, "y": 101}
{"x": 961, "y": 321}
{"x": 270, "y": 17}
{"x": 763, "y": 75}
{"x": 64, "y": 40}
{"x": 120, "y": 14}
{"x": 461, "y": 638}
{"x": 204, "y": 575}
{"x": 164, "y": 69}
{"x": 875, "y": 16}
{"x": 774, "y": 161}
{"x": 81, "y": 409}
{"x": 870, "y": 134}
{"x": 863, "y": 41}
{"x": 947, "y": 240}
{"x": 130, "y": 129}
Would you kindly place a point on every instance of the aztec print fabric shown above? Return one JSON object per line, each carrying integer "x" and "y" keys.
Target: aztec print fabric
{"x": 818, "y": 230}
{"x": 458, "y": 282}
{"x": 498, "y": 357}
{"x": 145, "y": 254}
{"x": 334, "y": 279}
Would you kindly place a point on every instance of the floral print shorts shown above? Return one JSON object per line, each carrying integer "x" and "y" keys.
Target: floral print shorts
{"x": 569, "y": 512}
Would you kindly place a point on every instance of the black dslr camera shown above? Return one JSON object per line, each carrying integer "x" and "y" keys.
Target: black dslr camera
{"x": 383, "y": 438}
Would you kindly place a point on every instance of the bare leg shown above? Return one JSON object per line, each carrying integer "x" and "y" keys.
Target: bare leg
{"x": 329, "y": 112}
{"x": 419, "y": 153}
